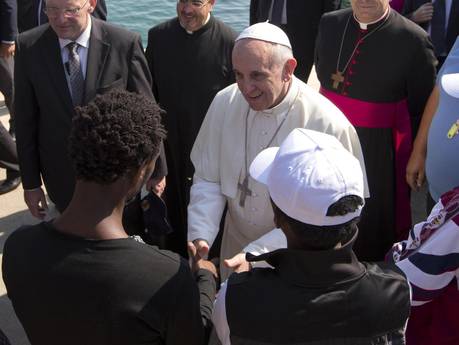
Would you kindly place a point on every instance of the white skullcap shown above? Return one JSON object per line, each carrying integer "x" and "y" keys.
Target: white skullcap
{"x": 265, "y": 32}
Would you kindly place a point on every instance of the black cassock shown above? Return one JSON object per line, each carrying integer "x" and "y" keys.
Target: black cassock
{"x": 188, "y": 70}
{"x": 389, "y": 64}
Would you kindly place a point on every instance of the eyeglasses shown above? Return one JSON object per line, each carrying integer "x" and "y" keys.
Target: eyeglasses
{"x": 194, "y": 3}
{"x": 68, "y": 12}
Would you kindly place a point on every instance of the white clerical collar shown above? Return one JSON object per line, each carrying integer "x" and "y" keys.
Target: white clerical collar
{"x": 285, "y": 104}
{"x": 192, "y": 32}
{"x": 82, "y": 40}
{"x": 364, "y": 26}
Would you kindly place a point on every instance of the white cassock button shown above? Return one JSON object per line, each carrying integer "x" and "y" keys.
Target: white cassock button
{"x": 254, "y": 209}
{"x": 265, "y": 133}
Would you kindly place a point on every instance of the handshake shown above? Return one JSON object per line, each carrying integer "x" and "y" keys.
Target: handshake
{"x": 198, "y": 251}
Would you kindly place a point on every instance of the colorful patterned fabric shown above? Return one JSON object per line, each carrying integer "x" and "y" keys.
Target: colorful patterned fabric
{"x": 430, "y": 256}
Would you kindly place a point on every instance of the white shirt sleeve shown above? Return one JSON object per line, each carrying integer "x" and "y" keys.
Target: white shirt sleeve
{"x": 219, "y": 316}
{"x": 205, "y": 210}
{"x": 275, "y": 239}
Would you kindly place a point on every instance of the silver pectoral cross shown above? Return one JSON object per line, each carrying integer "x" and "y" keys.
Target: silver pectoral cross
{"x": 245, "y": 191}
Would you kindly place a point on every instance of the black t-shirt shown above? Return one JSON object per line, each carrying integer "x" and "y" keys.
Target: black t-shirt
{"x": 70, "y": 290}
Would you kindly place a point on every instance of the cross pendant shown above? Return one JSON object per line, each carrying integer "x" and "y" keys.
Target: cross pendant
{"x": 245, "y": 191}
{"x": 337, "y": 78}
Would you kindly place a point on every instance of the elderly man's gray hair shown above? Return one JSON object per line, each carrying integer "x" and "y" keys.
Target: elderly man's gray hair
{"x": 280, "y": 54}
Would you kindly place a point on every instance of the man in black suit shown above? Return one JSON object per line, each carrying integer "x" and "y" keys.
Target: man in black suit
{"x": 31, "y": 13}
{"x": 8, "y": 154}
{"x": 440, "y": 18}
{"x": 300, "y": 20}
{"x": 60, "y": 66}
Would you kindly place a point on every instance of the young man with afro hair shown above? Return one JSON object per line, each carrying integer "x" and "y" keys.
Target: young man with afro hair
{"x": 80, "y": 279}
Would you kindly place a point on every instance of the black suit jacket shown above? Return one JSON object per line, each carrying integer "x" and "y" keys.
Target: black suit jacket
{"x": 452, "y": 30}
{"x": 44, "y": 110}
{"x": 303, "y": 18}
{"x": 8, "y": 20}
{"x": 28, "y": 13}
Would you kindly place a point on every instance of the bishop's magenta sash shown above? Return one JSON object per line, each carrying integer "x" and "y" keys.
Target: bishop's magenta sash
{"x": 385, "y": 115}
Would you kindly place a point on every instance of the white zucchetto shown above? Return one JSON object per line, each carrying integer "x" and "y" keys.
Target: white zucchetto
{"x": 265, "y": 32}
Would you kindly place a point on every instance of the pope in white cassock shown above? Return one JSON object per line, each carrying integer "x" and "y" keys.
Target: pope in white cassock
{"x": 267, "y": 103}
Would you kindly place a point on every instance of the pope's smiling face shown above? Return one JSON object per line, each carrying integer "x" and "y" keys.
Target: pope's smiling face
{"x": 263, "y": 82}
{"x": 368, "y": 11}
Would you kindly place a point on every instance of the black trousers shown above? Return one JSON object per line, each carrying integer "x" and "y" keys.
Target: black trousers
{"x": 7, "y": 85}
{"x": 8, "y": 154}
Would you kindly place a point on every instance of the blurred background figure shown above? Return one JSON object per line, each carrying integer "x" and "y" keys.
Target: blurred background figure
{"x": 300, "y": 20}
{"x": 440, "y": 18}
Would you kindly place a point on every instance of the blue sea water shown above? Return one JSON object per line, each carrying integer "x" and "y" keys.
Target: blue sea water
{"x": 141, "y": 15}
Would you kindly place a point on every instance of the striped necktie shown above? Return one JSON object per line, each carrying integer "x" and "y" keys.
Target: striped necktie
{"x": 75, "y": 73}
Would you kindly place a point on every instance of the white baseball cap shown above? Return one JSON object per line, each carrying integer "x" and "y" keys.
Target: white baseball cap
{"x": 307, "y": 174}
{"x": 265, "y": 32}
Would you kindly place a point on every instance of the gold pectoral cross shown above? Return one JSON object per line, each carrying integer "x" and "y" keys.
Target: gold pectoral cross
{"x": 337, "y": 78}
{"x": 245, "y": 191}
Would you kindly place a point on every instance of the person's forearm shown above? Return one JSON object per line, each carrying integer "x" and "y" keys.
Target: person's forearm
{"x": 205, "y": 210}
{"x": 420, "y": 143}
{"x": 207, "y": 290}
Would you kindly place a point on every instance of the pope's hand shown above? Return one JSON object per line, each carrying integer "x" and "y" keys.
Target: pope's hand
{"x": 238, "y": 263}
{"x": 202, "y": 247}
{"x": 197, "y": 262}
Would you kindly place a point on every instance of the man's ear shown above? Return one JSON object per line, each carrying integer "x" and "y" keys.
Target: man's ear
{"x": 92, "y": 5}
{"x": 289, "y": 68}
{"x": 276, "y": 216}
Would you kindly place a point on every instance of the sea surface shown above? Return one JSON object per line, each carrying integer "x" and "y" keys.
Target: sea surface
{"x": 141, "y": 15}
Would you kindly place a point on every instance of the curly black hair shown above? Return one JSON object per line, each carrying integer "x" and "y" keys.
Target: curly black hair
{"x": 115, "y": 134}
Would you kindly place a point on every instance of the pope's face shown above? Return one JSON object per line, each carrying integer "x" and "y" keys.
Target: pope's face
{"x": 192, "y": 14}
{"x": 261, "y": 82}
{"x": 368, "y": 11}
{"x": 65, "y": 20}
